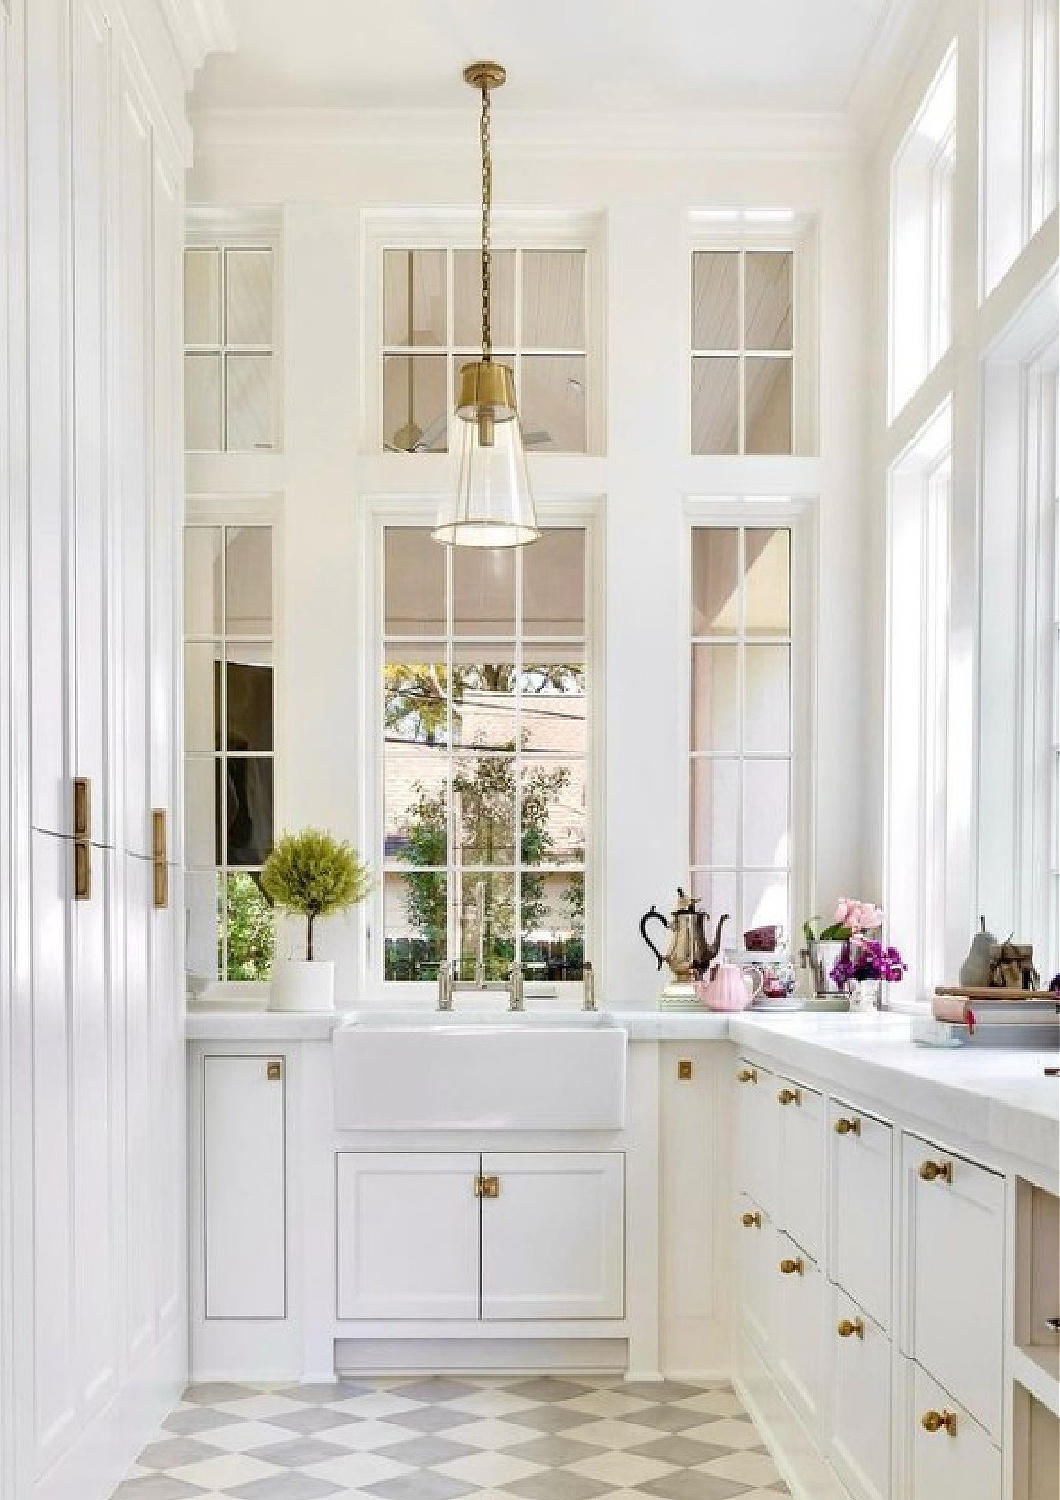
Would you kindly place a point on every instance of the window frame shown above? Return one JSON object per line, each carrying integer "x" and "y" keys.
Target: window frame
{"x": 383, "y": 511}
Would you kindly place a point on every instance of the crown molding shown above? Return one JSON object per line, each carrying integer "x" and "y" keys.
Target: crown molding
{"x": 198, "y": 27}
{"x": 902, "y": 30}
{"x": 537, "y": 133}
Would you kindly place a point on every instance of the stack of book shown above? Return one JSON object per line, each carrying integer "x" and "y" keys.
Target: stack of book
{"x": 994, "y": 1017}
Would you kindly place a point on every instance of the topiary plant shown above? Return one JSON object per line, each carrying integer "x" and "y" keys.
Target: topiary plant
{"x": 312, "y": 874}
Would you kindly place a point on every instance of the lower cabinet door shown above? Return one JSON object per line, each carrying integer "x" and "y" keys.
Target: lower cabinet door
{"x": 800, "y": 1349}
{"x": 408, "y": 1234}
{"x": 859, "y": 1421}
{"x": 948, "y": 1455}
{"x": 800, "y": 1187}
{"x": 553, "y": 1234}
{"x": 757, "y": 1278}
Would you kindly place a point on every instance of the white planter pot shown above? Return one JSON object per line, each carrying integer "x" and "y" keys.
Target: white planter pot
{"x": 302, "y": 984}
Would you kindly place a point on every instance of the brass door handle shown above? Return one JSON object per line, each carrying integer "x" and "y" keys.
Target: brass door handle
{"x": 82, "y": 838}
{"x": 940, "y": 1421}
{"x": 790, "y": 1096}
{"x": 159, "y": 858}
{"x": 850, "y": 1328}
{"x": 747, "y": 1075}
{"x": 487, "y": 1187}
{"x": 751, "y": 1221}
{"x": 932, "y": 1171}
{"x": 792, "y": 1267}
{"x": 850, "y": 1126}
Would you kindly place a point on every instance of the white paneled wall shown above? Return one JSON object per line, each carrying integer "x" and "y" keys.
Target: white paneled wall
{"x": 93, "y": 147}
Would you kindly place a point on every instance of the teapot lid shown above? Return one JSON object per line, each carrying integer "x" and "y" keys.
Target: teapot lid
{"x": 685, "y": 903}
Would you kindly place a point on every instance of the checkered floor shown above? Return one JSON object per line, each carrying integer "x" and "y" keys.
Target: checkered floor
{"x": 533, "y": 1438}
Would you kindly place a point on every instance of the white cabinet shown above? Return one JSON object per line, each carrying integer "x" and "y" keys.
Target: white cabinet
{"x": 757, "y": 1133}
{"x": 947, "y": 1455}
{"x": 244, "y": 1213}
{"x": 756, "y": 1271}
{"x": 861, "y": 1192}
{"x": 801, "y": 1158}
{"x": 859, "y": 1412}
{"x": 953, "y": 1275}
{"x": 799, "y": 1313}
{"x": 552, "y": 1237}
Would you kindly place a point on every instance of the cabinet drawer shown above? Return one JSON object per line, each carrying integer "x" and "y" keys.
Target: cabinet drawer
{"x": 799, "y": 1306}
{"x": 859, "y": 1422}
{"x": 756, "y": 1134}
{"x": 860, "y": 1222}
{"x": 800, "y": 1187}
{"x": 953, "y": 1275}
{"x": 757, "y": 1278}
{"x": 957, "y": 1461}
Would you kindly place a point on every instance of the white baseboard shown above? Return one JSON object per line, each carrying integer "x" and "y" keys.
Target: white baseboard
{"x": 492, "y": 1356}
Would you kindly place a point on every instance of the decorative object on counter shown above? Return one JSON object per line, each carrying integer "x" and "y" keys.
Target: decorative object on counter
{"x": 976, "y": 966}
{"x": 827, "y": 944}
{"x": 1012, "y": 966}
{"x": 729, "y": 987}
{"x": 987, "y": 1016}
{"x": 690, "y": 952}
{"x": 762, "y": 939}
{"x": 865, "y": 969}
{"x": 778, "y": 979}
{"x": 311, "y": 874}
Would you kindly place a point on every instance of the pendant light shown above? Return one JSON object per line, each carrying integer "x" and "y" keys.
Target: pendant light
{"x": 493, "y": 505}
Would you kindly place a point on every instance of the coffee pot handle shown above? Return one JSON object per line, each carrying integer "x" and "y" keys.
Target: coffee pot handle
{"x": 653, "y": 916}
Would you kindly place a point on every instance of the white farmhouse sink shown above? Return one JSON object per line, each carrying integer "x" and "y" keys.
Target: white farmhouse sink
{"x": 468, "y": 1070}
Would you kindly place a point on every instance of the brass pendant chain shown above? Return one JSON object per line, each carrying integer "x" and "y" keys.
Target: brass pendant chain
{"x": 487, "y": 204}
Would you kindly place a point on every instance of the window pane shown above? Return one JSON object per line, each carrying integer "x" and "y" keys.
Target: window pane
{"x": 248, "y": 397}
{"x": 715, "y": 581}
{"x": 484, "y": 809}
{"x": 202, "y": 297}
{"x": 716, "y": 698}
{"x": 715, "y": 299}
{"x": 553, "y": 926}
{"x": 415, "y": 914}
{"x": 767, "y": 812}
{"x": 414, "y": 298}
{"x": 248, "y": 808}
{"x": 552, "y": 402}
{"x": 767, "y": 700}
{"x": 202, "y": 403}
{"x": 202, "y": 925}
{"x": 553, "y": 812}
{"x": 248, "y": 580}
{"x": 248, "y": 296}
{"x": 718, "y": 892}
{"x": 415, "y": 403}
{"x": 554, "y": 584}
{"x": 414, "y": 575}
{"x": 415, "y": 805}
{"x": 248, "y": 688}
{"x": 765, "y": 900}
{"x": 552, "y": 704}
{"x": 483, "y": 697}
{"x": 484, "y": 590}
{"x": 250, "y": 929}
{"x": 768, "y": 584}
{"x": 553, "y": 299}
{"x": 486, "y": 917}
{"x": 715, "y": 812}
{"x": 768, "y": 405}
{"x": 202, "y": 706}
{"x": 202, "y": 836}
{"x": 467, "y": 299}
{"x": 767, "y": 299}
{"x": 415, "y": 694}
{"x": 715, "y": 405}
{"x": 202, "y": 580}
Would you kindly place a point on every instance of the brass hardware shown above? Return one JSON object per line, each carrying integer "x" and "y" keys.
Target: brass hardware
{"x": 848, "y": 1127}
{"x": 850, "y": 1327}
{"x": 940, "y": 1421}
{"x": 747, "y": 1075}
{"x": 684, "y": 1068}
{"x": 82, "y": 870}
{"x": 751, "y": 1221}
{"x": 159, "y": 858}
{"x": 792, "y": 1267}
{"x": 82, "y": 807}
{"x": 487, "y": 1187}
{"x": 931, "y": 1171}
{"x": 274, "y": 1070}
{"x": 790, "y": 1096}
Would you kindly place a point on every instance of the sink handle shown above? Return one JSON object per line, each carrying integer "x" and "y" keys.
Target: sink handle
{"x": 588, "y": 986}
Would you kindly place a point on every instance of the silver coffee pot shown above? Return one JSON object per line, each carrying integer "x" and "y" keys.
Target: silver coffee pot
{"x": 690, "y": 951}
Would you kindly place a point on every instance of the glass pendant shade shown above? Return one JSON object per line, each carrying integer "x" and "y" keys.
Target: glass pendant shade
{"x": 493, "y": 505}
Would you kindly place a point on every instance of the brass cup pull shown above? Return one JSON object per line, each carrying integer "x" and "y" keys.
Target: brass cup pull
{"x": 851, "y": 1328}
{"x": 747, "y": 1075}
{"x": 848, "y": 1127}
{"x": 790, "y": 1267}
{"x": 940, "y": 1421}
{"x": 790, "y": 1096}
{"x": 933, "y": 1171}
{"x": 751, "y": 1221}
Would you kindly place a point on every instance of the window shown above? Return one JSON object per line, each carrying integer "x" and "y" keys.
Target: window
{"x": 431, "y": 325}
{"x": 230, "y": 361}
{"x": 229, "y": 712}
{"x": 742, "y": 724}
{"x": 922, "y": 237}
{"x": 484, "y": 701}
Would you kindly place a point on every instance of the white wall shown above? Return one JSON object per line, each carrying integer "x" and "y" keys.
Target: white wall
{"x": 324, "y": 172}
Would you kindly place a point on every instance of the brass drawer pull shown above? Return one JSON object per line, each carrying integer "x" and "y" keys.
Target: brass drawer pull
{"x": 851, "y": 1328}
{"x": 940, "y": 1421}
{"x": 848, "y": 1127}
{"x": 933, "y": 1171}
{"x": 790, "y": 1096}
{"x": 751, "y": 1221}
{"x": 487, "y": 1187}
{"x": 747, "y": 1075}
{"x": 792, "y": 1267}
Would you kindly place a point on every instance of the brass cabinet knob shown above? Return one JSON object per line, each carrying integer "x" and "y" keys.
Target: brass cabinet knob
{"x": 747, "y": 1075}
{"x": 751, "y": 1221}
{"x": 790, "y": 1096}
{"x": 933, "y": 1171}
{"x": 850, "y": 1328}
{"x": 848, "y": 1127}
{"x": 790, "y": 1267}
{"x": 940, "y": 1421}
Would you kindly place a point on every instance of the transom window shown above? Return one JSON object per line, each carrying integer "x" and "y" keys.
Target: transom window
{"x": 230, "y": 362}
{"x": 432, "y": 318}
{"x": 484, "y": 711}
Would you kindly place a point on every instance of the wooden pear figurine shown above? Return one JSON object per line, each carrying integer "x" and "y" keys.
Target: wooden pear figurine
{"x": 975, "y": 971}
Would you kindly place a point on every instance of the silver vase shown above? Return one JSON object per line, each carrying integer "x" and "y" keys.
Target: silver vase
{"x": 823, "y": 956}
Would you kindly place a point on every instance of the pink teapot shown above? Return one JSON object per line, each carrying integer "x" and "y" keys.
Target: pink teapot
{"x": 729, "y": 987}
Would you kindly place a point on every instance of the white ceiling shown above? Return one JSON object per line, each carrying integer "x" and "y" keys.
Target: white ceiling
{"x": 567, "y": 55}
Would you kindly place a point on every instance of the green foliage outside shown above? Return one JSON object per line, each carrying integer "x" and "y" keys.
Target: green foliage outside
{"x": 313, "y": 875}
{"x": 251, "y": 930}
